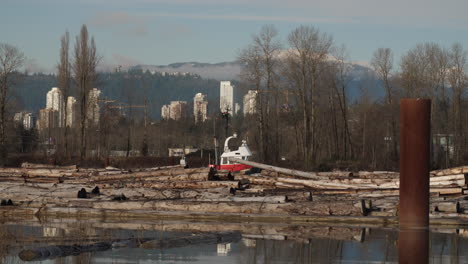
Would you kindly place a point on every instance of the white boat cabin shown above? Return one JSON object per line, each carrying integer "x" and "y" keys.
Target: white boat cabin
{"x": 243, "y": 152}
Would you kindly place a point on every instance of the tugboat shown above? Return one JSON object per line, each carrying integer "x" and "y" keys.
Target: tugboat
{"x": 243, "y": 152}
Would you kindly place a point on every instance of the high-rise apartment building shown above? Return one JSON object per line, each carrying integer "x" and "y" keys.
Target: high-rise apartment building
{"x": 200, "y": 106}
{"x": 178, "y": 110}
{"x": 72, "y": 110}
{"x": 250, "y": 102}
{"x": 226, "y": 97}
{"x": 165, "y": 112}
{"x": 93, "y": 105}
{"x": 54, "y": 100}
{"x": 24, "y": 118}
{"x": 48, "y": 118}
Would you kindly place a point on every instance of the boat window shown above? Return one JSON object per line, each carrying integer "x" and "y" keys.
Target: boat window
{"x": 224, "y": 161}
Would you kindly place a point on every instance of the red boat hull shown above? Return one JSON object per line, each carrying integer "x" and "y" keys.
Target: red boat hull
{"x": 231, "y": 167}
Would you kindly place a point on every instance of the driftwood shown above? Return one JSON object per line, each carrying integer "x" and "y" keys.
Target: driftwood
{"x": 447, "y": 207}
{"x": 51, "y": 252}
{"x": 225, "y": 237}
{"x": 275, "y": 191}
{"x": 309, "y": 175}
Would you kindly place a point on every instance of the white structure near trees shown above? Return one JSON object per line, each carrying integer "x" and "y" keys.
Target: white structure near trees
{"x": 93, "y": 105}
{"x": 54, "y": 101}
{"x": 226, "y": 98}
{"x": 178, "y": 110}
{"x": 26, "y": 119}
{"x": 72, "y": 109}
{"x": 250, "y": 102}
{"x": 200, "y": 106}
{"x": 165, "y": 112}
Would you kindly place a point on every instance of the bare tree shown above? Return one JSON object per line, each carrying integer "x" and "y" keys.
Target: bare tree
{"x": 64, "y": 82}
{"x": 458, "y": 81}
{"x": 382, "y": 62}
{"x": 260, "y": 59}
{"x": 306, "y": 62}
{"x": 11, "y": 59}
{"x": 84, "y": 68}
{"x": 342, "y": 80}
{"x": 413, "y": 72}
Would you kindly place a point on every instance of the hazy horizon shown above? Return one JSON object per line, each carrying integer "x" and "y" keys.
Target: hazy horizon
{"x": 161, "y": 32}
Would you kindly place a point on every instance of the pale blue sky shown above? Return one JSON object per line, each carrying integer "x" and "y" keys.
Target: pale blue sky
{"x": 168, "y": 31}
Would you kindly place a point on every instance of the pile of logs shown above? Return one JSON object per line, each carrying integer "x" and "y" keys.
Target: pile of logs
{"x": 274, "y": 191}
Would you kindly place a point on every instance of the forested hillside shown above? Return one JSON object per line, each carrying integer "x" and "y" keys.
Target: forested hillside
{"x": 29, "y": 92}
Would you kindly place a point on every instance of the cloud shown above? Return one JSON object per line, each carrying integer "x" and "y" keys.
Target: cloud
{"x": 121, "y": 23}
{"x": 124, "y": 61}
{"x": 112, "y": 19}
{"x": 117, "y": 61}
{"x": 175, "y": 30}
{"x": 31, "y": 66}
{"x": 258, "y": 18}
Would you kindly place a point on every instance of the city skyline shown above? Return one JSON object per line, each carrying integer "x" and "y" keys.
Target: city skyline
{"x": 161, "y": 32}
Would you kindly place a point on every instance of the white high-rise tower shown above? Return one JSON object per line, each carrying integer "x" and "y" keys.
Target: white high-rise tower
{"x": 200, "y": 107}
{"x": 226, "y": 97}
{"x": 54, "y": 101}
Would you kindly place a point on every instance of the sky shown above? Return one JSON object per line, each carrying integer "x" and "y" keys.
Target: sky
{"x": 161, "y": 32}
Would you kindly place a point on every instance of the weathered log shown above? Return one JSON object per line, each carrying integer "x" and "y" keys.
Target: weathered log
{"x": 445, "y": 191}
{"x": 451, "y": 171}
{"x": 260, "y": 199}
{"x": 50, "y": 252}
{"x": 225, "y": 237}
{"x": 447, "y": 207}
{"x": 28, "y": 165}
{"x": 310, "y": 175}
{"x": 265, "y": 237}
{"x": 455, "y": 177}
{"x": 298, "y": 208}
{"x": 149, "y": 174}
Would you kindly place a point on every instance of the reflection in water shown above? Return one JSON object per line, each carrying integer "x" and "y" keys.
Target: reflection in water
{"x": 413, "y": 246}
{"x": 260, "y": 243}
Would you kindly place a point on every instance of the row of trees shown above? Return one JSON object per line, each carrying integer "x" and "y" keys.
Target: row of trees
{"x": 304, "y": 111}
{"x": 78, "y": 71}
{"x": 307, "y": 81}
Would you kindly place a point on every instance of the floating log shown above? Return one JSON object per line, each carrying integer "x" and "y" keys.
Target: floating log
{"x": 28, "y": 165}
{"x": 50, "y": 252}
{"x": 447, "y": 207}
{"x": 225, "y": 237}
{"x": 309, "y": 175}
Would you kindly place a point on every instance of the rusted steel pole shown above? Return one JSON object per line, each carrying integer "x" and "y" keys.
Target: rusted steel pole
{"x": 415, "y": 126}
{"x": 413, "y": 246}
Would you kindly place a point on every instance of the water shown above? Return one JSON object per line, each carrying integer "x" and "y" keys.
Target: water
{"x": 250, "y": 242}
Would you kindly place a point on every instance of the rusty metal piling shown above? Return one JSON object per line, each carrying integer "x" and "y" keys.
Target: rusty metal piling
{"x": 415, "y": 126}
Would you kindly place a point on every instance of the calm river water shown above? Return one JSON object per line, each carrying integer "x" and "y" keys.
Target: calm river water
{"x": 240, "y": 243}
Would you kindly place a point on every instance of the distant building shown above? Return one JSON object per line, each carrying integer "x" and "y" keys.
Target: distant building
{"x": 200, "y": 105}
{"x": 54, "y": 100}
{"x": 178, "y": 110}
{"x": 93, "y": 105}
{"x": 443, "y": 146}
{"x": 26, "y": 119}
{"x": 165, "y": 112}
{"x": 237, "y": 108}
{"x": 226, "y": 97}
{"x": 179, "y": 152}
{"x": 72, "y": 111}
{"x": 250, "y": 102}
{"x": 48, "y": 118}
{"x": 224, "y": 249}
